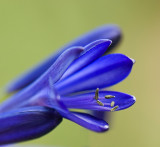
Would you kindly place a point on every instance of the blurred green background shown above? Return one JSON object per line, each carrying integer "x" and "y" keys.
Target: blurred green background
{"x": 30, "y": 30}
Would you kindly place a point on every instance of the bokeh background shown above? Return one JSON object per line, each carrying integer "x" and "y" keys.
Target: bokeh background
{"x": 31, "y": 30}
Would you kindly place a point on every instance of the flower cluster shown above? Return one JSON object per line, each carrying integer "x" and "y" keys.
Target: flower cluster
{"x": 73, "y": 78}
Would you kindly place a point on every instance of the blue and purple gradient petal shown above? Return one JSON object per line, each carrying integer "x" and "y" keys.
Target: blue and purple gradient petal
{"x": 73, "y": 78}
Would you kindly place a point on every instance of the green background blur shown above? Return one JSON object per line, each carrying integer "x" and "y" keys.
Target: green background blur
{"x": 32, "y": 29}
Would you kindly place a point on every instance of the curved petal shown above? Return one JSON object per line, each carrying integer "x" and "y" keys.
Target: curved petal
{"x": 87, "y": 101}
{"x": 93, "y": 51}
{"x": 55, "y": 71}
{"x": 97, "y": 43}
{"x": 85, "y": 120}
{"x": 111, "y": 32}
{"x": 89, "y": 122}
{"x": 27, "y": 123}
{"x": 105, "y": 71}
{"x": 70, "y": 54}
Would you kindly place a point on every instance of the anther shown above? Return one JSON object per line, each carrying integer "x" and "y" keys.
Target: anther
{"x": 97, "y": 97}
{"x": 109, "y": 96}
{"x": 100, "y": 103}
{"x": 97, "y": 94}
{"x": 112, "y": 104}
{"x": 114, "y": 108}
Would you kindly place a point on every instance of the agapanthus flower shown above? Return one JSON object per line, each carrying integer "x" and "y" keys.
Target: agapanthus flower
{"x": 74, "y": 78}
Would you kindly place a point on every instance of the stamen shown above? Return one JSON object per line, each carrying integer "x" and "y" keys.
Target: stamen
{"x": 114, "y": 108}
{"x": 97, "y": 94}
{"x": 97, "y": 97}
{"x": 112, "y": 104}
{"x": 109, "y": 96}
{"x": 100, "y": 103}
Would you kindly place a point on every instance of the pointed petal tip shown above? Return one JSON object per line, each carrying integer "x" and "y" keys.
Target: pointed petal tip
{"x": 128, "y": 103}
{"x": 105, "y": 128}
{"x": 134, "y": 61}
{"x": 129, "y": 58}
{"x": 108, "y": 41}
{"x": 134, "y": 99}
{"x": 102, "y": 129}
{"x": 103, "y": 42}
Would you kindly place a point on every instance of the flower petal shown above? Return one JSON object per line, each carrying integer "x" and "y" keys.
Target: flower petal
{"x": 111, "y": 32}
{"x": 93, "y": 51}
{"x": 26, "y": 79}
{"x": 27, "y": 123}
{"x": 87, "y": 101}
{"x": 55, "y": 71}
{"x": 85, "y": 120}
{"x": 89, "y": 122}
{"x": 105, "y": 71}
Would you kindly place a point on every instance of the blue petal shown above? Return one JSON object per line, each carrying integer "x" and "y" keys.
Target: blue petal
{"x": 97, "y": 43}
{"x": 69, "y": 54}
{"x": 111, "y": 32}
{"x": 27, "y": 123}
{"x": 90, "y": 122}
{"x": 55, "y": 71}
{"x": 87, "y": 101}
{"x": 85, "y": 120}
{"x": 105, "y": 71}
{"x": 93, "y": 51}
